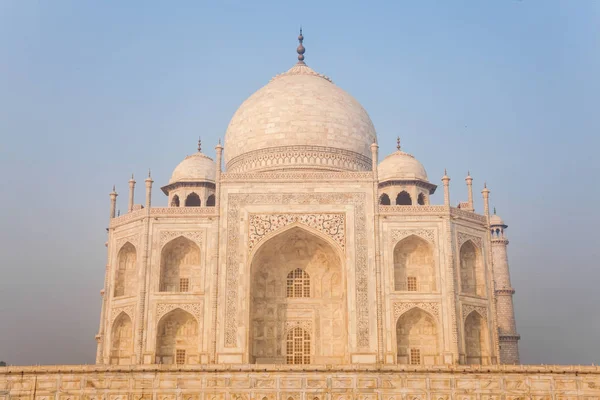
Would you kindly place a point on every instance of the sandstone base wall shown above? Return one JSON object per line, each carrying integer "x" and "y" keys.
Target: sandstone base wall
{"x": 245, "y": 382}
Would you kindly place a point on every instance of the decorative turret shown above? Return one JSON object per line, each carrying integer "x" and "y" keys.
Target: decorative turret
{"x": 403, "y": 180}
{"x": 192, "y": 183}
{"x": 507, "y": 329}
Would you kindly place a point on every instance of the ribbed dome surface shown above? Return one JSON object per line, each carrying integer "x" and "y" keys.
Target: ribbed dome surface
{"x": 300, "y": 119}
{"x": 401, "y": 166}
{"x": 195, "y": 168}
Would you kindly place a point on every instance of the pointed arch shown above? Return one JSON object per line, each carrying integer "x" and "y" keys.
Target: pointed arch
{"x": 417, "y": 338}
{"x": 384, "y": 200}
{"x": 471, "y": 269}
{"x": 403, "y": 199}
{"x": 192, "y": 200}
{"x": 177, "y": 338}
{"x": 125, "y": 274}
{"x": 476, "y": 339}
{"x": 421, "y": 200}
{"x": 179, "y": 263}
{"x": 175, "y": 201}
{"x": 414, "y": 265}
{"x": 210, "y": 201}
{"x": 316, "y": 270}
{"x": 121, "y": 340}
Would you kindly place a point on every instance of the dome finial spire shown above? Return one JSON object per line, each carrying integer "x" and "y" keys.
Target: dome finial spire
{"x": 199, "y": 145}
{"x": 300, "y": 48}
{"x": 398, "y": 143}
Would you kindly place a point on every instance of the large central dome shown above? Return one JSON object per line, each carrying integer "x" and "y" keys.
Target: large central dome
{"x": 299, "y": 120}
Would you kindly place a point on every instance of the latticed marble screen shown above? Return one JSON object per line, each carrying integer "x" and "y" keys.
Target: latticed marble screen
{"x": 298, "y": 284}
{"x": 298, "y": 346}
{"x": 180, "y": 356}
{"x": 415, "y": 356}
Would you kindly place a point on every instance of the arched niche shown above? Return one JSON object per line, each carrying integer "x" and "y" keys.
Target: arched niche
{"x": 175, "y": 201}
{"x": 384, "y": 200}
{"x": 210, "y": 201}
{"x": 403, "y": 199}
{"x": 476, "y": 339}
{"x": 179, "y": 266}
{"x": 121, "y": 340}
{"x": 414, "y": 265}
{"x": 417, "y": 338}
{"x": 471, "y": 270}
{"x": 421, "y": 199}
{"x": 177, "y": 338}
{"x": 296, "y": 279}
{"x": 192, "y": 200}
{"x": 125, "y": 274}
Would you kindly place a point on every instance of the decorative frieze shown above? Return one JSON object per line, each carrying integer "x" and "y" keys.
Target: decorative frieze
{"x": 133, "y": 239}
{"x": 430, "y": 307}
{"x": 167, "y": 236}
{"x": 463, "y": 237}
{"x": 193, "y": 308}
{"x": 129, "y": 310}
{"x": 468, "y": 308}
{"x": 261, "y": 225}
{"x": 399, "y": 234}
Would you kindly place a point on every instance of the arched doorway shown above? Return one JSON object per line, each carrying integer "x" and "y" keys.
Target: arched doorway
{"x": 177, "y": 338}
{"x": 471, "y": 270}
{"x": 125, "y": 275}
{"x": 476, "y": 339}
{"x": 121, "y": 340}
{"x": 296, "y": 282}
{"x": 417, "y": 338}
{"x": 179, "y": 266}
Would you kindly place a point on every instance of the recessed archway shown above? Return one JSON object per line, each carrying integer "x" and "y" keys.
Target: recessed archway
{"x": 179, "y": 265}
{"x": 476, "y": 339}
{"x": 125, "y": 274}
{"x": 417, "y": 338}
{"x": 384, "y": 200}
{"x": 403, "y": 199}
{"x": 471, "y": 270}
{"x": 177, "y": 338}
{"x": 121, "y": 340}
{"x": 295, "y": 280}
{"x": 414, "y": 265}
{"x": 192, "y": 200}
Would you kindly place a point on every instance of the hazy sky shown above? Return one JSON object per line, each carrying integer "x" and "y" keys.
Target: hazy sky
{"x": 93, "y": 91}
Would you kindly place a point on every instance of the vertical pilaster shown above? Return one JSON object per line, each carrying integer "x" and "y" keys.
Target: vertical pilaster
{"x": 141, "y": 317}
{"x": 469, "y": 181}
{"x": 377, "y": 238}
{"x": 215, "y": 264}
{"x": 446, "y": 181}
{"x": 131, "y": 191}
{"x": 113, "y": 202}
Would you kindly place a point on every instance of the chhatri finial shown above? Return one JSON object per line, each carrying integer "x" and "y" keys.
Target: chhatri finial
{"x": 494, "y": 210}
{"x": 300, "y": 48}
{"x": 149, "y": 173}
{"x": 398, "y": 143}
{"x": 199, "y": 145}
{"x": 114, "y": 189}
{"x": 445, "y": 172}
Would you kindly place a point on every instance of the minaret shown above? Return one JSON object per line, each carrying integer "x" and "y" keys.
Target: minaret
{"x": 446, "y": 180}
{"x": 131, "y": 190}
{"x": 469, "y": 181}
{"x": 149, "y": 182}
{"x": 505, "y": 314}
{"x": 113, "y": 202}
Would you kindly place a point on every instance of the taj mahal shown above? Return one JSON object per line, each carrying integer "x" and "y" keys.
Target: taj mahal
{"x": 302, "y": 264}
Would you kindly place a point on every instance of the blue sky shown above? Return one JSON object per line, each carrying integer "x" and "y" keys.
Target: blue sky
{"x": 93, "y": 91}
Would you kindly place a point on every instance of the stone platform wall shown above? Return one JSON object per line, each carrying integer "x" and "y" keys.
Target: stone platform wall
{"x": 230, "y": 382}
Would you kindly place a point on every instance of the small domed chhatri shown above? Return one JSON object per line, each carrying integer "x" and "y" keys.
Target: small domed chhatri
{"x": 401, "y": 166}
{"x": 192, "y": 183}
{"x": 197, "y": 167}
{"x": 299, "y": 120}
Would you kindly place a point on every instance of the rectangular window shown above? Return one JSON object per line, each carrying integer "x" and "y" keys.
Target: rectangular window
{"x": 180, "y": 356}
{"x": 415, "y": 356}
{"x": 184, "y": 284}
{"x": 411, "y": 283}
